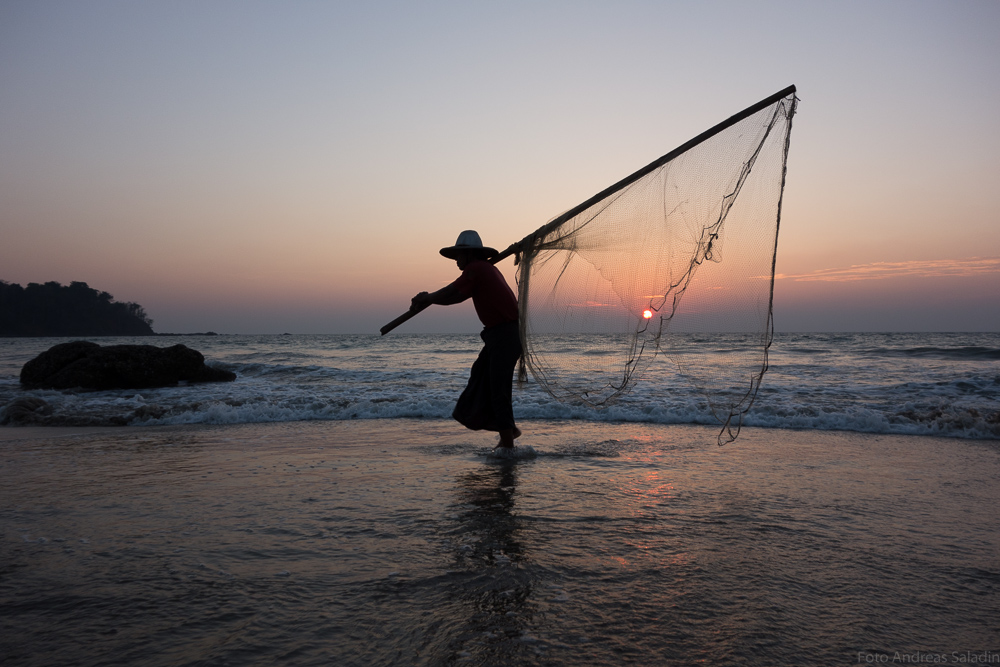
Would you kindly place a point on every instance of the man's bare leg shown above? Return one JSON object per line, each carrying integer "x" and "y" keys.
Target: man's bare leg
{"x": 507, "y": 437}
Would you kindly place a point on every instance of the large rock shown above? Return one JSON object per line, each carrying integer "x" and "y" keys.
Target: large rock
{"x": 89, "y": 366}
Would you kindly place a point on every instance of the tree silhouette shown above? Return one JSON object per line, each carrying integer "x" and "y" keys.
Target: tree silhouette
{"x": 51, "y": 309}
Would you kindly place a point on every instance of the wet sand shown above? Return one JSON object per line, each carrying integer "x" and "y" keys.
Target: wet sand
{"x": 51, "y": 432}
{"x": 401, "y": 542}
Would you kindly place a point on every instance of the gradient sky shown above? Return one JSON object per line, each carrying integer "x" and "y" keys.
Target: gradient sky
{"x": 263, "y": 167}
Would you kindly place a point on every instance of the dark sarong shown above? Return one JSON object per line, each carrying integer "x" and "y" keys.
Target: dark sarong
{"x": 485, "y": 405}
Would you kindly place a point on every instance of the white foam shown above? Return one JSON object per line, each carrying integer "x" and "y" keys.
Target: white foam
{"x": 817, "y": 382}
{"x": 517, "y": 452}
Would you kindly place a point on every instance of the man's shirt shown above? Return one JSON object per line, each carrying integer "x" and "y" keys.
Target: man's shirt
{"x": 491, "y": 295}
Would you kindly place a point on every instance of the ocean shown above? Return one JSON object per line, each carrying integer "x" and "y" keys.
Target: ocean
{"x": 324, "y": 510}
{"x": 918, "y": 384}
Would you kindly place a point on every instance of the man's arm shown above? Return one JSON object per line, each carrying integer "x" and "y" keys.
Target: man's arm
{"x": 445, "y": 296}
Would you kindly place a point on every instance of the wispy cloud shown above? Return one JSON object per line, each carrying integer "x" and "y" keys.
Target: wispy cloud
{"x": 592, "y": 304}
{"x": 973, "y": 266}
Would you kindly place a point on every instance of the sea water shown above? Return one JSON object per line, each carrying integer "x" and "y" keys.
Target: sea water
{"x": 322, "y": 509}
{"x": 921, "y": 384}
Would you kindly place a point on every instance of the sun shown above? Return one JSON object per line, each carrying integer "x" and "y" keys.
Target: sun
{"x": 647, "y": 313}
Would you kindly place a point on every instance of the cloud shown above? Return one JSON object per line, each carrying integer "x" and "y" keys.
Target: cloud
{"x": 593, "y": 304}
{"x": 935, "y": 268}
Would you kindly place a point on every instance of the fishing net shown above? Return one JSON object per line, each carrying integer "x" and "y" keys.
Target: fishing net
{"x": 674, "y": 258}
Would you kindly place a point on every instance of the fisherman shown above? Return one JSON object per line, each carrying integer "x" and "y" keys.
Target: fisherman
{"x": 486, "y": 402}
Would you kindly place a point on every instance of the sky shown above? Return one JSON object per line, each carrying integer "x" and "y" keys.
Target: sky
{"x": 271, "y": 167}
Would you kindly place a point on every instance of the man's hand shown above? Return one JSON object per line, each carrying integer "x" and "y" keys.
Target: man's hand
{"x": 420, "y": 301}
{"x": 445, "y": 296}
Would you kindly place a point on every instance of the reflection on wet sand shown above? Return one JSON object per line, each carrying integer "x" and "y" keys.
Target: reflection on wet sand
{"x": 491, "y": 535}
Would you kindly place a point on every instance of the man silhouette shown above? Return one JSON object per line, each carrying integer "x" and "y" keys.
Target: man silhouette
{"x": 486, "y": 402}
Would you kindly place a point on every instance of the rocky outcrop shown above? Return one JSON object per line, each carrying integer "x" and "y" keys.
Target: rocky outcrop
{"x": 86, "y": 365}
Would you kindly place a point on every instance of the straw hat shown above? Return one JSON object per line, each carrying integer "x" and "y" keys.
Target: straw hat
{"x": 468, "y": 240}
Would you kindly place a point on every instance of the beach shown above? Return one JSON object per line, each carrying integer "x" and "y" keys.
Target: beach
{"x": 262, "y": 262}
{"x": 378, "y": 542}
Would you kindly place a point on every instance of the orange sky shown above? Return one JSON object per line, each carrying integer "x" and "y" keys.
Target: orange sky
{"x": 265, "y": 168}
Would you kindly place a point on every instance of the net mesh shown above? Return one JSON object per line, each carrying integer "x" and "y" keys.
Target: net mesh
{"x": 683, "y": 250}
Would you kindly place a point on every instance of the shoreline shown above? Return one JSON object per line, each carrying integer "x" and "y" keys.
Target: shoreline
{"x": 538, "y": 432}
{"x": 942, "y": 385}
{"x": 12, "y": 433}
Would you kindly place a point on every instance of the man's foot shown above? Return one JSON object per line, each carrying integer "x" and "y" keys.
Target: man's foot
{"x": 507, "y": 437}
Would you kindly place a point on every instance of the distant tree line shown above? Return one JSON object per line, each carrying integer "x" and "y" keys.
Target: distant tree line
{"x": 52, "y": 309}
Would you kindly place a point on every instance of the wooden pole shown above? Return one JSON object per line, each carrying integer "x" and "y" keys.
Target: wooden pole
{"x": 399, "y": 320}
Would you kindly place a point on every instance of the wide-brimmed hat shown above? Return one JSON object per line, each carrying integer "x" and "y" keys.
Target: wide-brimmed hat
{"x": 468, "y": 240}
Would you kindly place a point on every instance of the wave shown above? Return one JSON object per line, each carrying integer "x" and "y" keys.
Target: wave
{"x": 811, "y": 351}
{"x": 937, "y": 420}
{"x": 949, "y": 384}
{"x": 944, "y": 416}
{"x": 971, "y": 352}
{"x": 927, "y": 420}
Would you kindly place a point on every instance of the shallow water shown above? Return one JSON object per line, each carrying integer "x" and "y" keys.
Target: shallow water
{"x": 383, "y": 542}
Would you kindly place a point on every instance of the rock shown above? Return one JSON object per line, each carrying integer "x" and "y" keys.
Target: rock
{"x": 24, "y": 411}
{"x": 86, "y": 365}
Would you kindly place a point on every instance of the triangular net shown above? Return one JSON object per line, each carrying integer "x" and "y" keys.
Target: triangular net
{"x": 677, "y": 255}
